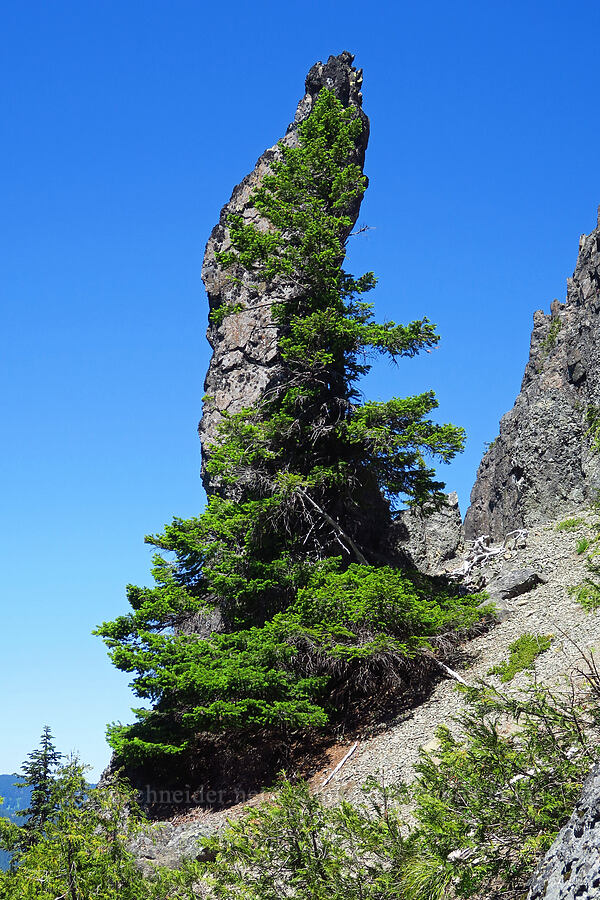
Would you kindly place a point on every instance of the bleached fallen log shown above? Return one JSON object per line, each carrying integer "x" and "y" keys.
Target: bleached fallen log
{"x": 340, "y": 764}
{"x": 449, "y": 672}
{"x": 483, "y": 550}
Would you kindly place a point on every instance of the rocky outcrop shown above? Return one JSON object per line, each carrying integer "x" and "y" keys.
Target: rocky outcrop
{"x": 503, "y": 589}
{"x": 169, "y": 844}
{"x": 543, "y": 463}
{"x": 245, "y": 361}
{"x": 429, "y": 538}
{"x": 571, "y": 868}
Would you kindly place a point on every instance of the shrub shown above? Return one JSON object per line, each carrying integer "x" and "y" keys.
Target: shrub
{"x": 485, "y": 806}
{"x": 349, "y": 632}
{"x": 486, "y": 803}
{"x": 490, "y": 803}
{"x": 587, "y": 593}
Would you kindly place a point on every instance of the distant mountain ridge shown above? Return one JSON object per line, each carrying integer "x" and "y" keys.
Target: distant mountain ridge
{"x": 15, "y": 799}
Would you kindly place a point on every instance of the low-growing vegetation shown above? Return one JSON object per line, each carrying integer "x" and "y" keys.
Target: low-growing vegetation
{"x": 587, "y": 594}
{"x": 522, "y": 655}
{"x": 570, "y": 524}
{"x": 486, "y": 803}
{"x": 587, "y": 591}
{"x": 592, "y": 419}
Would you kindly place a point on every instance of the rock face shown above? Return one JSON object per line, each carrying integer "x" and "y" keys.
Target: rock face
{"x": 571, "y": 868}
{"x": 245, "y": 361}
{"x": 543, "y": 463}
{"x": 428, "y": 541}
{"x": 169, "y": 844}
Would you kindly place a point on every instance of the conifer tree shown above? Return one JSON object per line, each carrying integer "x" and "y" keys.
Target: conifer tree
{"x": 290, "y": 561}
{"x": 39, "y": 775}
{"x": 82, "y": 852}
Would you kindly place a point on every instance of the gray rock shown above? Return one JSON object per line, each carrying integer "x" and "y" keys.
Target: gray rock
{"x": 428, "y": 538}
{"x": 542, "y": 464}
{"x": 513, "y": 584}
{"x": 245, "y": 361}
{"x": 508, "y": 585}
{"x": 571, "y": 868}
{"x": 169, "y": 845}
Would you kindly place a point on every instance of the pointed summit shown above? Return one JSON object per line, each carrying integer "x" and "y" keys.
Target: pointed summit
{"x": 245, "y": 360}
{"x": 546, "y": 460}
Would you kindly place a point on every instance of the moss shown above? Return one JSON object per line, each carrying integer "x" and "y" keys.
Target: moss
{"x": 549, "y": 343}
{"x": 551, "y": 338}
{"x": 592, "y": 418}
{"x": 570, "y": 524}
{"x": 522, "y": 654}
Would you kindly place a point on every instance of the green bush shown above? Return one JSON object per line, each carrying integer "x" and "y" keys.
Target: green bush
{"x": 354, "y": 627}
{"x": 490, "y": 803}
{"x": 485, "y": 805}
{"x": 587, "y": 592}
{"x": 296, "y": 847}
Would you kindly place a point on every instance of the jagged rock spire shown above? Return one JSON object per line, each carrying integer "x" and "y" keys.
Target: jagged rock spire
{"x": 544, "y": 462}
{"x": 245, "y": 359}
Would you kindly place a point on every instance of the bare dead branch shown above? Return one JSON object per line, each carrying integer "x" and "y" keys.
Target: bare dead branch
{"x": 340, "y": 764}
{"x": 483, "y": 550}
{"x": 337, "y": 528}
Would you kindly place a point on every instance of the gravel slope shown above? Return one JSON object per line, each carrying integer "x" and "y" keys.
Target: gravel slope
{"x": 547, "y": 609}
{"x": 392, "y": 753}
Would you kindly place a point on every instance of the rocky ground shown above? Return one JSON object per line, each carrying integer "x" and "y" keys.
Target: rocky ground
{"x": 391, "y": 753}
{"x": 545, "y": 609}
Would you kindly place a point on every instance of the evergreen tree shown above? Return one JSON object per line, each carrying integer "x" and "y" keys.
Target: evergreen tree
{"x": 39, "y": 774}
{"x": 291, "y": 555}
{"x": 82, "y": 852}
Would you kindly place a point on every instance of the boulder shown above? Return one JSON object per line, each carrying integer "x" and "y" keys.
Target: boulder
{"x": 513, "y": 583}
{"x": 571, "y": 868}
{"x": 169, "y": 844}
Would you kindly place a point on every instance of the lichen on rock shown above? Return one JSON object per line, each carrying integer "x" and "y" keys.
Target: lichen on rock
{"x": 571, "y": 868}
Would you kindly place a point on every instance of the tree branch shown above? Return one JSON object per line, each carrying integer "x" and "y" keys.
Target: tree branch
{"x": 338, "y": 528}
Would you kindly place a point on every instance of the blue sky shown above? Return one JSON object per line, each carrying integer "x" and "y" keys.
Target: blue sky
{"x": 126, "y": 125}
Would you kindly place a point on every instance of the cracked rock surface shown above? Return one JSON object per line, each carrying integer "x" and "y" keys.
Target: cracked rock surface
{"x": 245, "y": 360}
{"x": 571, "y": 868}
{"x": 543, "y": 462}
{"x": 427, "y": 541}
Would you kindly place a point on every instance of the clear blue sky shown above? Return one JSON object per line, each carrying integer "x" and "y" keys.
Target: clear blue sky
{"x": 126, "y": 125}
